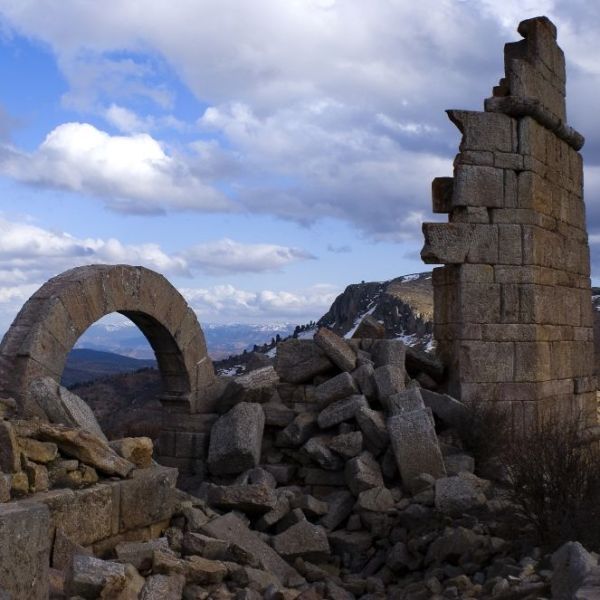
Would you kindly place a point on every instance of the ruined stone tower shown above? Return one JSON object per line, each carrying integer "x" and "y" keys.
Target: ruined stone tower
{"x": 513, "y": 314}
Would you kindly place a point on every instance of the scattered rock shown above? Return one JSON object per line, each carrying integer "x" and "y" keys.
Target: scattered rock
{"x": 363, "y": 473}
{"x": 336, "y": 388}
{"x": 340, "y": 411}
{"x": 336, "y": 349}
{"x": 298, "y": 361}
{"x": 302, "y": 540}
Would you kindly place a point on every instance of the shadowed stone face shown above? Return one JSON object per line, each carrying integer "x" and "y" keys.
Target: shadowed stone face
{"x": 513, "y": 317}
{"x": 51, "y": 321}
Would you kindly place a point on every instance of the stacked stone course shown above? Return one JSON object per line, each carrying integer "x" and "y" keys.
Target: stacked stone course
{"x": 513, "y": 317}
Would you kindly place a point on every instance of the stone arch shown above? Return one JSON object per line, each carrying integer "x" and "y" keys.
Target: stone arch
{"x": 52, "y": 320}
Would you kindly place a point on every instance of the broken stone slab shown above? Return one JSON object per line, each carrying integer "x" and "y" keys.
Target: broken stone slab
{"x": 283, "y": 473}
{"x": 161, "y": 587}
{"x": 350, "y": 542}
{"x": 389, "y": 380}
{"x": 236, "y": 439}
{"x": 255, "y": 387}
{"x": 416, "y": 448}
{"x": 298, "y": 432}
{"x": 140, "y": 554}
{"x": 458, "y": 494}
{"x": 204, "y": 571}
{"x": 313, "y": 476}
{"x": 303, "y": 540}
{"x": 231, "y": 528}
{"x": 336, "y": 388}
{"x": 298, "y": 361}
{"x": 64, "y": 549}
{"x": 370, "y": 328}
{"x": 10, "y": 452}
{"x": 90, "y": 575}
{"x": 205, "y": 546}
{"x": 317, "y": 450}
{"x": 407, "y": 400}
{"x": 41, "y": 452}
{"x": 251, "y": 499}
{"x": 341, "y": 410}
{"x": 339, "y": 508}
{"x": 377, "y": 499}
{"x": 459, "y": 463}
{"x": 86, "y": 447}
{"x": 372, "y": 424}
{"x": 389, "y": 352}
{"x": 137, "y": 450}
{"x": 256, "y": 476}
{"x": 573, "y": 564}
{"x": 364, "y": 378}
{"x": 336, "y": 349}
{"x": 64, "y": 407}
{"x": 278, "y": 414}
{"x": 309, "y": 505}
{"x": 24, "y": 549}
{"x": 363, "y": 473}
{"x": 281, "y": 508}
{"x": 347, "y": 445}
{"x": 37, "y": 476}
{"x": 449, "y": 410}
{"x": 418, "y": 361}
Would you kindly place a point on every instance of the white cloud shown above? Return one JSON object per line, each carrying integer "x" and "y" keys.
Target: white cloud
{"x": 228, "y": 303}
{"x": 228, "y": 256}
{"x": 131, "y": 173}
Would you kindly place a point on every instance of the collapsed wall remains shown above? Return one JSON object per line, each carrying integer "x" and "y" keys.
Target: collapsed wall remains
{"x": 513, "y": 317}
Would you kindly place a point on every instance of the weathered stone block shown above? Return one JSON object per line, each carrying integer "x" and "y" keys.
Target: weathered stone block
{"x": 441, "y": 194}
{"x": 478, "y": 186}
{"x": 340, "y": 411}
{"x": 336, "y": 349}
{"x": 406, "y": 401}
{"x": 147, "y": 498}
{"x": 235, "y": 439}
{"x": 486, "y": 131}
{"x": 415, "y": 447}
{"x": 363, "y": 473}
{"x": 486, "y": 361}
{"x": 24, "y": 550}
{"x": 298, "y": 361}
{"x": 336, "y": 388}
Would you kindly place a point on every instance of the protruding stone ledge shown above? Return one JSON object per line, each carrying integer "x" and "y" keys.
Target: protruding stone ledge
{"x": 517, "y": 107}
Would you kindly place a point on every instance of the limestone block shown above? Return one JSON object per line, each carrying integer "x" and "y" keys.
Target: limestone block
{"x": 298, "y": 361}
{"x": 509, "y": 245}
{"x": 415, "y": 447}
{"x": 231, "y": 528}
{"x": 24, "y": 550}
{"x": 446, "y": 243}
{"x": 494, "y": 132}
{"x": 479, "y": 303}
{"x": 341, "y": 410}
{"x": 441, "y": 194}
{"x": 389, "y": 352}
{"x": 147, "y": 498}
{"x": 478, "y": 186}
{"x": 484, "y": 245}
{"x": 235, "y": 439}
{"x": 408, "y": 400}
{"x": 486, "y": 362}
{"x": 336, "y": 349}
{"x": 337, "y": 387}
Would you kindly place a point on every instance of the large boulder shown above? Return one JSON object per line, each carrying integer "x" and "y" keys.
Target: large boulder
{"x": 573, "y": 566}
{"x": 63, "y": 407}
{"x": 235, "y": 440}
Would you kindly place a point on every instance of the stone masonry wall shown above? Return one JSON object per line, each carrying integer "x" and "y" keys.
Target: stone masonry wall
{"x": 513, "y": 315}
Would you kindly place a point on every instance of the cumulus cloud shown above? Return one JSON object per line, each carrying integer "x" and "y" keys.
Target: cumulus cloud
{"x": 131, "y": 173}
{"x": 229, "y": 256}
{"x": 229, "y": 302}
{"x": 317, "y": 108}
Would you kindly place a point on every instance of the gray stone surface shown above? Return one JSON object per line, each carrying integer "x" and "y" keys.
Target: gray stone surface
{"x": 370, "y": 328}
{"x": 90, "y": 575}
{"x": 339, "y": 508}
{"x": 336, "y": 349}
{"x": 64, "y": 407}
{"x": 347, "y": 445}
{"x": 415, "y": 447}
{"x": 161, "y": 587}
{"x": 139, "y": 554}
{"x": 572, "y": 564}
{"x": 389, "y": 352}
{"x": 405, "y": 401}
{"x": 24, "y": 550}
{"x": 459, "y": 463}
{"x": 445, "y": 407}
{"x": 235, "y": 440}
{"x": 298, "y": 361}
{"x": 318, "y": 450}
{"x": 372, "y": 424}
{"x": 377, "y": 499}
{"x": 363, "y": 375}
{"x": 298, "y": 431}
{"x": 10, "y": 461}
{"x": 254, "y": 386}
{"x": 363, "y": 473}
{"x": 341, "y": 410}
{"x": 229, "y": 527}
{"x": 457, "y": 494}
{"x": 336, "y": 388}
{"x": 389, "y": 380}
{"x": 251, "y": 499}
{"x": 303, "y": 540}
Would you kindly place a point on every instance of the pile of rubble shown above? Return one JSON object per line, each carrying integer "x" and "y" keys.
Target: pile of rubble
{"x": 327, "y": 479}
{"x": 69, "y": 451}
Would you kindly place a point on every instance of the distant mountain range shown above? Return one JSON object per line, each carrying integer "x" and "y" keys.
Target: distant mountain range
{"x": 222, "y": 340}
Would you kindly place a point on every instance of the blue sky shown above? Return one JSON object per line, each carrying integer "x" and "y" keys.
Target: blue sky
{"x": 262, "y": 155}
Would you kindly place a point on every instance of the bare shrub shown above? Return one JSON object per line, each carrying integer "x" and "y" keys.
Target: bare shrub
{"x": 485, "y": 431}
{"x": 554, "y": 481}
